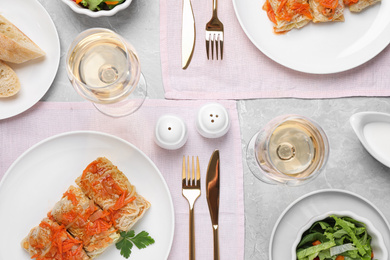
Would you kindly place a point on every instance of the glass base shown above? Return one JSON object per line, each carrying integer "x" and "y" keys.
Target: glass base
{"x": 260, "y": 174}
{"x": 253, "y": 164}
{"x": 127, "y": 106}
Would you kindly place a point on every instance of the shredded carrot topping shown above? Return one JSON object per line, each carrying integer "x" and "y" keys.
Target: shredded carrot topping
{"x": 270, "y": 12}
{"x": 281, "y": 5}
{"x": 302, "y": 8}
{"x": 329, "y": 3}
{"x": 330, "y": 7}
{"x": 92, "y": 167}
{"x": 110, "y": 186}
{"x": 97, "y": 227}
{"x": 111, "y": 2}
{"x": 350, "y": 2}
{"x": 71, "y": 196}
{"x": 120, "y": 203}
{"x": 50, "y": 216}
{"x": 287, "y": 9}
{"x": 62, "y": 245}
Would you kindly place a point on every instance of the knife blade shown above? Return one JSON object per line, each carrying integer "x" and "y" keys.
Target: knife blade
{"x": 187, "y": 34}
{"x": 212, "y": 193}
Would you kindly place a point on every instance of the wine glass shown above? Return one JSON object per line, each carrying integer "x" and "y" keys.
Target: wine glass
{"x": 104, "y": 69}
{"x": 290, "y": 149}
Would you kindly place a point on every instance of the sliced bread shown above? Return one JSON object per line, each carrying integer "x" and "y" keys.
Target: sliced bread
{"x": 9, "y": 81}
{"x": 15, "y": 46}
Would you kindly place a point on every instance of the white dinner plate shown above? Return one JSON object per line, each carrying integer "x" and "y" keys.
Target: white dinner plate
{"x": 39, "y": 177}
{"x": 298, "y": 213}
{"x": 36, "y": 76}
{"x": 319, "y": 48}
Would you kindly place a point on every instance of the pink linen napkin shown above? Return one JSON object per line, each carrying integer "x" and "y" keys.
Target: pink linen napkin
{"x": 245, "y": 71}
{"x": 50, "y": 118}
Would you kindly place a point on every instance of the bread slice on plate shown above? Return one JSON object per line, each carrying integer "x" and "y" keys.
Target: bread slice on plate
{"x": 9, "y": 81}
{"x": 15, "y": 46}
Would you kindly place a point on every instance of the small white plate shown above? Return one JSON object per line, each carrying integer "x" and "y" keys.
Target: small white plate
{"x": 35, "y": 76}
{"x": 319, "y": 48}
{"x": 298, "y": 213}
{"x": 39, "y": 177}
{"x": 372, "y": 129}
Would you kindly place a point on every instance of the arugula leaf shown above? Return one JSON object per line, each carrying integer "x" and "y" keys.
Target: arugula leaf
{"x": 128, "y": 239}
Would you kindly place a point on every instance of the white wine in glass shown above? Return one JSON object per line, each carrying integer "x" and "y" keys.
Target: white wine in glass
{"x": 105, "y": 69}
{"x": 290, "y": 150}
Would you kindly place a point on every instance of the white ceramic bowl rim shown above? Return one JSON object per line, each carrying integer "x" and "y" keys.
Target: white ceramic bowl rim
{"x": 377, "y": 242}
{"x": 78, "y": 9}
{"x": 359, "y": 121}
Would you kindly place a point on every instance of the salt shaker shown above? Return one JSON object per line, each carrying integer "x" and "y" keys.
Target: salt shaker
{"x": 213, "y": 120}
{"x": 170, "y": 132}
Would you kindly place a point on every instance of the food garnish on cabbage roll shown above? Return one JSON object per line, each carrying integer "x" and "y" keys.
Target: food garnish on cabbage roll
{"x": 82, "y": 218}
{"x": 51, "y": 241}
{"x": 358, "y": 5}
{"x": 288, "y": 14}
{"x": 109, "y": 188}
{"x": 327, "y": 10}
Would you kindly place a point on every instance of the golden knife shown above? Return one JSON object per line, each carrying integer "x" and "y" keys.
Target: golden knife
{"x": 212, "y": 193}
{"x": 187, "y": 34}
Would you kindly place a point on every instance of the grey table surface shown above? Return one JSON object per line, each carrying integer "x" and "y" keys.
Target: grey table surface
{"x": 349, "y": 167}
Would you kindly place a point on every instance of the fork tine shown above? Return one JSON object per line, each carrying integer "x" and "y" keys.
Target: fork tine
{"x": 212, "y": 47}
{"x": 197, "y": 172}
{"x": 216, "y": 45}
{"x": 184, "y": 171}
{"x": 207, "y": 48}
{"x": 188, "y": 171}
{"x": 221, "y": 49}
{"x": 193, "y": 171}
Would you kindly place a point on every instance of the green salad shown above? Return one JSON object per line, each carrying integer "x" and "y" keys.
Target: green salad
{"x": 335, "y": 238}
{"x": 97, "y": 5}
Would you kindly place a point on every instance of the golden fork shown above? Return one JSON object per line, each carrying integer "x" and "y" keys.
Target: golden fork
{"x": 214, "y": 34}
{"x": 191, "y": 191}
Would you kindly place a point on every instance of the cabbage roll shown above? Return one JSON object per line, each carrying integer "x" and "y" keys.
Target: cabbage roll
{"x": 84, "y": 220}
{"x": 51, "y": 241}
{"x": 109, "y": 188}
{"x": 327, "y": 10}
{"x": 288, "y": 14}
{"x": 359, "y": 5}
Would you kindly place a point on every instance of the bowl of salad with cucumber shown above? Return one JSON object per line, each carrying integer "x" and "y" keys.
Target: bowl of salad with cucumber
{"x": 339, "y": 235}
{"x": 97, "y": 8}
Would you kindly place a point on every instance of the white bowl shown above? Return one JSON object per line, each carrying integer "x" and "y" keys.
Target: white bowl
{"x": 377, "y": 243}
{"x": 372, "y": 130}
{"x": 81, "y": 10}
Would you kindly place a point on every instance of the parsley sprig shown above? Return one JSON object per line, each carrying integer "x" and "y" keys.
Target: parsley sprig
{"x": 125, "y": 244}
